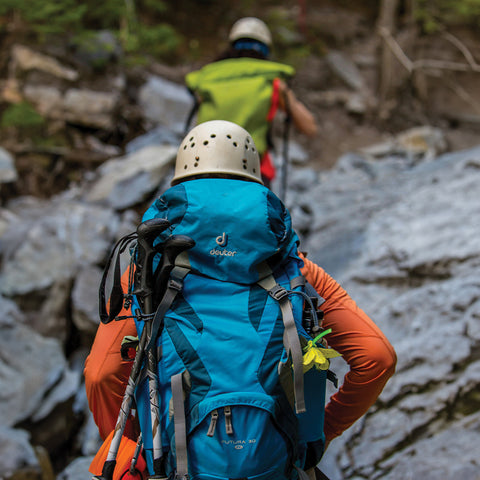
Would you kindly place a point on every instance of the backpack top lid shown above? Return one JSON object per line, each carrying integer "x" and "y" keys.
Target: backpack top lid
{"x": 237, "y": 226}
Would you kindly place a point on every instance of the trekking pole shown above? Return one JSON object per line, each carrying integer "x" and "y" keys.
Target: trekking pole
{"x": 147, "y": 232}
{"x": 171, "y": 248}
{"x": 192, "y": 112}
{"x": 133, "y": 465}
{"x": 286, "y": 129}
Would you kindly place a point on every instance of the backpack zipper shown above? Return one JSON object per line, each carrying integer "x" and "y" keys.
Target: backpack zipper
{"x": 214, "y": 419}
{"x": 228, "y": 420}
{"x": 213, "y": 423}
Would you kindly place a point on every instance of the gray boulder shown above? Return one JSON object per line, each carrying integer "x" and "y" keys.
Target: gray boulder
{"x": 17, "y": 455}
{"x": 8, "y": 172}
{"x": 50, "y": 240}
{"x": 165, "y": 103}
{"x": 124, "y": 182}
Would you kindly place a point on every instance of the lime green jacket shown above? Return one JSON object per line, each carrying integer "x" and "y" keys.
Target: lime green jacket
{"x": 238, "y": 90}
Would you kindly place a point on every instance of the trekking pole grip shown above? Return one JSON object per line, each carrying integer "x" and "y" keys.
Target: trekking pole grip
{"x": 147, "y": 232}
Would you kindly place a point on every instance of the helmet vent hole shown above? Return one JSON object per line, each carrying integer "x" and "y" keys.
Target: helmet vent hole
{"x": 197, "y": 158}
{"x": 212, "y": 135}
{"x": 191, "y": 138}
{"x": 185, "y": 167}
{"x": 205, "y": 142}
{"x": 229, "y": 137}
{"x": 192, "y": 145}
{"x": 244, "y": 167}
{"x": 235, "y": 144}
{"x": 195, "y": 164}
{"x": 184, "y": 147}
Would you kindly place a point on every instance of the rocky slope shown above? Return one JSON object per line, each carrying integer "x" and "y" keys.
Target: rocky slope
{"x": 396, "y": 224}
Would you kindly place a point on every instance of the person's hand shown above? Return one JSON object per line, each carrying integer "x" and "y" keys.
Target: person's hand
{"x": 302, "y": 118}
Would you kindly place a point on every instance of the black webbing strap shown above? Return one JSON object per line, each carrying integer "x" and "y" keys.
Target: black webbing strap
{"x": 174, "y": 287}
{"x": 116, "y": 297}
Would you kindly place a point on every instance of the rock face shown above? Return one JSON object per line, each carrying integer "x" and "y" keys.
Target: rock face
{"x": 396, "y": 224}
{"x": 411, "y": 261}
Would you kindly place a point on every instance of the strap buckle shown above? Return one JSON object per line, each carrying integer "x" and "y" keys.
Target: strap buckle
{"x": 278, "y": 292}
{"x": 185, "y": 476}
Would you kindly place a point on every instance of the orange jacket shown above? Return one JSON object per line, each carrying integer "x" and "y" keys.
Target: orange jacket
{"x": 369, "y": 354}
{"x": 364, "y": 347}
{"x": 106, "y": 374}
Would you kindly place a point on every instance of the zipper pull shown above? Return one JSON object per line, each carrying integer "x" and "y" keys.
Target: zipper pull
{"x": 228, "y": 420}
{"x": 213, "y": 422}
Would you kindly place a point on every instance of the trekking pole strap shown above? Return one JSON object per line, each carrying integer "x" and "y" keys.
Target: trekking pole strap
{"x": 116, "y": 296}
{"x": 180, "y": 426}
{"x": 291, "y": 340}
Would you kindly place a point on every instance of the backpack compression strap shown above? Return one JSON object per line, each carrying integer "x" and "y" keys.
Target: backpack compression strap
{"x": 291, "y": 340}
{"x": 174, "y": 286}
{"x": 180, "y": 426}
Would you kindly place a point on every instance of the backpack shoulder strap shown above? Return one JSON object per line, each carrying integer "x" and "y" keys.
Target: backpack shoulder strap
{"x": 291, "y": 339}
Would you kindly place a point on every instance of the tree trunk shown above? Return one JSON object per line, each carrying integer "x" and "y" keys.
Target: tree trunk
{"x": 386, "y": 22}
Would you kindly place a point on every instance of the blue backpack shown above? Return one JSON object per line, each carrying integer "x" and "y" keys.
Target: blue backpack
{"x": 234, "y": 401}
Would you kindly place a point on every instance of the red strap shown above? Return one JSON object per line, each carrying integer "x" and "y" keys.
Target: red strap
{"x": 267, "y": 168}
{"x": 274, "y": 100}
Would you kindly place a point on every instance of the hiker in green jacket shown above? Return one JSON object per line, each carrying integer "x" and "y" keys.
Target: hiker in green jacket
{"x": 245, "y": 87}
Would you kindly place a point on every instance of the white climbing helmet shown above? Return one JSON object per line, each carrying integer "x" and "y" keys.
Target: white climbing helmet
{"x": 217, "y": 148}
{"x": 250, "y": 27}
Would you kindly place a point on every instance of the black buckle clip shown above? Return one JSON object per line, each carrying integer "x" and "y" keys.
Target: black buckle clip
{"x": 278, "y": 293}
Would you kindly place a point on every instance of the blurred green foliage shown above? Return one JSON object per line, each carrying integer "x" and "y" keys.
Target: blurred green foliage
{"x": 46, "y": 17}
{"x": 137, "y": 23}
{"x": 21, "y": 115}
{"x": 438, "y": 14}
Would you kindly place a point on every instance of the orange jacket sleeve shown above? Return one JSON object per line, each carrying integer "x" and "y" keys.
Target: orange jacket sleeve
{"x": 369, "y": 354}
